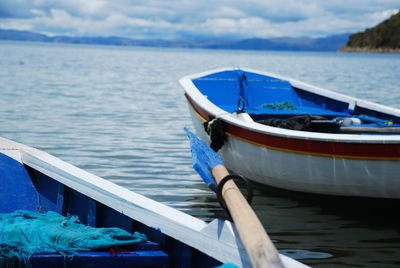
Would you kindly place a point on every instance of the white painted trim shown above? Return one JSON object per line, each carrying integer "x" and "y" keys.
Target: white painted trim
{"x": 217, "y": 239}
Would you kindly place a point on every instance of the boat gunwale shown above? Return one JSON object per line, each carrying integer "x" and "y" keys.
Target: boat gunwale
{"x": 217, "y": 239}
{"x": 179, "y": 225}
{"x": 202, "y": 101}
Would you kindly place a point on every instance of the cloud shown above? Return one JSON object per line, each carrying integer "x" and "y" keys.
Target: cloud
{"x": 179, "y": 19}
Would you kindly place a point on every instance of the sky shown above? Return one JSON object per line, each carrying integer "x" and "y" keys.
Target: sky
{"x": 195, "y": 19}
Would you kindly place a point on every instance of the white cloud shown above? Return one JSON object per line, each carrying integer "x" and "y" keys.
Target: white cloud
{"x": 243, "y": 27}
{"x": 207, "y": 19}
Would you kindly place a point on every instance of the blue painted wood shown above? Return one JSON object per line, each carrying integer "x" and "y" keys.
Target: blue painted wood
{"x": 222, "y": 88}
{"x": 184, "y": 256}
{"x": 180, "y": 253}
{"x": 48, "y": 190}
{"x": 91, "y": 216}
{"x": 42, "y": 193}
{"x": 78, "y": 204}
{"x": 142, "y": 258}
{"x": 60, "y": 199}
{"x": 198, "y": 260}
{"x": 309, "y": 99}
{"x": 146, "y": 246}
{"x": 217, "y": 85}
{"x": 16, "y": 188}
{"x": 108, "y": 217}
{"x": 32, "y": 190}
{"x": 152, "y": 234}
{"x": 378, "y": 115}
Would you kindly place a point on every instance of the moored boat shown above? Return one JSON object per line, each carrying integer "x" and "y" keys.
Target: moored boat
{"x": 287, "y": 134}
{"x": 34, "y": 181}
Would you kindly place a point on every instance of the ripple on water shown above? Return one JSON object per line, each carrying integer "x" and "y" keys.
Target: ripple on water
{"x": 119, "y": 113}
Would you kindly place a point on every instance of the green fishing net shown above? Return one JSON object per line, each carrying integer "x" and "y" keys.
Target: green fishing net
{"x": 24, "y": 233}
{"x": 286, "y": 105}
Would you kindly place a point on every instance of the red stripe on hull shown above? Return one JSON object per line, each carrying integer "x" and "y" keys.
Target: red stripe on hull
{"x": 313, "y": 147}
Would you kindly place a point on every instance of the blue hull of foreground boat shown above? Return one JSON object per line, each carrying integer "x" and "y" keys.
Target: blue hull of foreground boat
{"x": 24, "y": 188}
{"x": 34, "y": 181}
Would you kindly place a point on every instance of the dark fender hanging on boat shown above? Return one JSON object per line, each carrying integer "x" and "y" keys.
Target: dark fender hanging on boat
{"x": 215, "y": 128}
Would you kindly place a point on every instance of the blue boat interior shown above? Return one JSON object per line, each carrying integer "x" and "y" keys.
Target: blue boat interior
{"x": 264, "y": 97}
{"x": 24, "y": 188}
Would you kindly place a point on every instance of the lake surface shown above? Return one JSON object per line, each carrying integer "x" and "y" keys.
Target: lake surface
{"x": 119, "y": 112}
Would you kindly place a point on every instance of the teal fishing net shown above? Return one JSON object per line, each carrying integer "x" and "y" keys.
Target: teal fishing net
{"x": 286, "y": 105}
{"x": 227, "y": 265}
{"x": 24, "y": 233}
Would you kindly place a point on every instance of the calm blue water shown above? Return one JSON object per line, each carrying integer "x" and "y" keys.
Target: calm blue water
{"x": 118, "y": 112}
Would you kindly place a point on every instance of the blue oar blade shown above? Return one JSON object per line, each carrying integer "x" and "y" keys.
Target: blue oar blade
{"x": 203, "y": 158}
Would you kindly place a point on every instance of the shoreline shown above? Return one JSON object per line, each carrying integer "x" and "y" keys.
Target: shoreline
{"x": 369, "y": 49}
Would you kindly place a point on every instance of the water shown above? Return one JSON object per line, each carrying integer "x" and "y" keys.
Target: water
{"x": 119, "y": 112}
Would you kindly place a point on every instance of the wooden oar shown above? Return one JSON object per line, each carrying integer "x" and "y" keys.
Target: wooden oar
{"x": 336, "y": 126}
{"x": 370, "y": 130}
{"x": 259, "y": 247}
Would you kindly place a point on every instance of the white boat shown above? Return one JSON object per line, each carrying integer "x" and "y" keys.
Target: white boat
{"x": 287, "y": 134}
{"x": 32, "y": 180}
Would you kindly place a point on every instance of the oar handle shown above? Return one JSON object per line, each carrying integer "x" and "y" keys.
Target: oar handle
{"x": 372, "y": 130}
{"x": 259, "y": 247}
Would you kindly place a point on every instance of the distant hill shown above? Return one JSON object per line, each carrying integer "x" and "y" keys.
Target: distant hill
{"x": 330, "y": 43}
{"x": 384, "y": 37}
{"x": 23, "y": 36}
